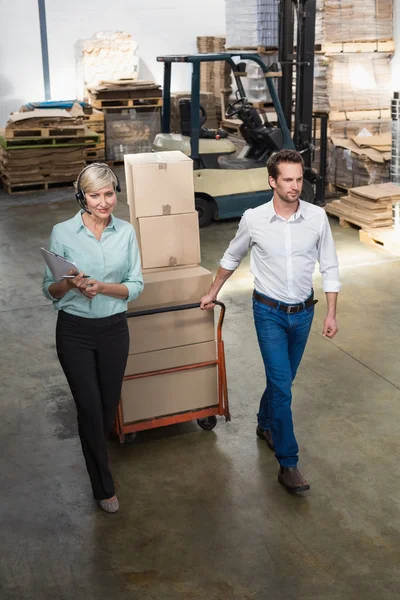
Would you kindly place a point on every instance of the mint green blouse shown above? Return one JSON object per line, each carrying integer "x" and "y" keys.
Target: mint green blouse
{"x": 113, "y": 259}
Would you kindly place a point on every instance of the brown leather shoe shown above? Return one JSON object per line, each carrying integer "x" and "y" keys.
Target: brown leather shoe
{"x": 266, "y": 436}
{"x": 292, "y": 479}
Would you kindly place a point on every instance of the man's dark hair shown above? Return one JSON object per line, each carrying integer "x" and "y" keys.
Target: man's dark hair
{"x": 284, "y": 156}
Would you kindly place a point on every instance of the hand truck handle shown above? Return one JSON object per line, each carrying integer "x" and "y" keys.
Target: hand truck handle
{"x": 165, "y": 309}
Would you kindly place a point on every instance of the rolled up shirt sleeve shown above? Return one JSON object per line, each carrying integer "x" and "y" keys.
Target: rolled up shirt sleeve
{"x": 238, "y": 247}
{"x": 134, "y": 277}
{"x": 54, "y": 246}
{"x": 328, "y": 260}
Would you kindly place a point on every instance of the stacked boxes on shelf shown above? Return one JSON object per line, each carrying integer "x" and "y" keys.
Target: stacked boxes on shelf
{"x": 161, "y": 204}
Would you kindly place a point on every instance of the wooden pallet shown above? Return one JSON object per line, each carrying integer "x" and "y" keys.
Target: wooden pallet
{"x": 89, "y": 138}
{"x": 45, "y": 132}
{"x": 25, "y": 188}
{"x": 137, "y": 103}
{"x": 387, "y": 46}
{"x": 382, "y": 237}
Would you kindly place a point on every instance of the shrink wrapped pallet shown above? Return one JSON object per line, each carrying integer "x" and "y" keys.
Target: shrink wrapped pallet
{"x": 107, "y": 56}
{"x": 252, "y": 23}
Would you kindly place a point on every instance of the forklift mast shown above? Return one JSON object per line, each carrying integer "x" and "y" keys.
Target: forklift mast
{"x": 300, "y": 51}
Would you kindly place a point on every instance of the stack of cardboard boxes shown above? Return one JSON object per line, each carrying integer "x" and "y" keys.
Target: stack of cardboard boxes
{"x": 161, "y": 204}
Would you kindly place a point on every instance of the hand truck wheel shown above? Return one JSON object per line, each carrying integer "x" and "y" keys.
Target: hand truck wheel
{"x": 130, "y": 438}
{"x": 208, "y": 423}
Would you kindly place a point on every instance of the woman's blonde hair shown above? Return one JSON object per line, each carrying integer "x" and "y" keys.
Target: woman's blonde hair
{"x": 94, "y": 177}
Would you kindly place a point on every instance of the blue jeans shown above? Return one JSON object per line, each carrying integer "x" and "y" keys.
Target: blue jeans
{"x": 282, "y": 339}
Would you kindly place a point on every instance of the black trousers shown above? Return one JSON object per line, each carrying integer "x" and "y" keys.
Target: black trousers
{"x": 93, "y": 355}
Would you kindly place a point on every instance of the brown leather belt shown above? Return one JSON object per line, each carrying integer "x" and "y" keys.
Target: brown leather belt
{"x": 287, "y": 308}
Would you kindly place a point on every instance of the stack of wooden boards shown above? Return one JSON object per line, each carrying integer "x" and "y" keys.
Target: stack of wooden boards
{"x": 43, "y": 149}
{"x": 367, "y": 206}
{"x": 160, "y": 195}
{"x": 132, "y": 112}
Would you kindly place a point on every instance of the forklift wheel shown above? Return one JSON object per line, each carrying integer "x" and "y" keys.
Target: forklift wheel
{"x": 204, "y": 211}
{"x": 129, "y": 438}
{"x": 208, "y": 423}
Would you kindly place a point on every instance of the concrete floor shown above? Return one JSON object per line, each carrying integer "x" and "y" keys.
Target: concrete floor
{"x": 202, "y": 515}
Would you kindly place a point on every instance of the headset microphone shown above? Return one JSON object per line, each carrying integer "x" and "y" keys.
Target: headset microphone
{"x": 80, "y": 195}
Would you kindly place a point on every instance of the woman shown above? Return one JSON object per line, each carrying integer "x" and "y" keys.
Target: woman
{"x": 92, "y": 333}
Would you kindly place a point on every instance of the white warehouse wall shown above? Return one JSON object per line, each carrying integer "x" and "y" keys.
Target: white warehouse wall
{"x": 158, "y": 26}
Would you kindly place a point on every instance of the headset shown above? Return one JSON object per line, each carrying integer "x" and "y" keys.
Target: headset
{"x": 80, "y": 194}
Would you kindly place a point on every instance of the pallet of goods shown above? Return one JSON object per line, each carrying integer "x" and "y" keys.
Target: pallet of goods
{"x": 355, "y": 20}
{"x": 132, "y": 115}
{"x": 43, "y": 149}
{"x": 252, "y": 24}
{"x": 118, "y": 95}
{"x": 215, "y": 77}
{"x": 360, "y": 161}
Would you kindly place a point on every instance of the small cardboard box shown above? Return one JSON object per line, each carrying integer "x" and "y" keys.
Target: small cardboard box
{"x": 159, "y": 183}
{"x": 169, "y": 241}
{"x": 169, "y": 330}
{"x": 172, "y": 287}
{"x": 170, "y": 358}
{"x": 162, "y": 395}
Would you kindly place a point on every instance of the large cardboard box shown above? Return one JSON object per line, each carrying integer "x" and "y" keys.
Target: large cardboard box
{"x": 159, "y": 183}
{"x": 162, "y": 395}
{"x": 171, "y": 329}
{"x": 170, "y": 358}
{"x": 170, "y": 288}
{"x": 169, "y": 241}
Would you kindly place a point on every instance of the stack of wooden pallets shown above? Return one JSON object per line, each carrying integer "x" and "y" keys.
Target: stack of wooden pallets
{"x": 43, "y": 149}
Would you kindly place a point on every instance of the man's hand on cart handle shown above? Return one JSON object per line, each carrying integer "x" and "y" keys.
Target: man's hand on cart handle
{"x": 207, "y": 302}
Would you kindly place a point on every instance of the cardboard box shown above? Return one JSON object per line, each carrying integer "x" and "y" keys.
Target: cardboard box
{"x": 170, "y": 358}
{"x": 169, "y": 330}
{"x": 159, "y": 183}
{"x": 162, "y": 395}
{"x": 186, "y": 285}
{"x": 169, "y": 241}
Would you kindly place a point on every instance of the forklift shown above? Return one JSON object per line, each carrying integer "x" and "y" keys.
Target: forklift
{"x": 226, "y": 182}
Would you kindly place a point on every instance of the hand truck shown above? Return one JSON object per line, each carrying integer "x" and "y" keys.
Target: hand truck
{"x": 206, "y": 417}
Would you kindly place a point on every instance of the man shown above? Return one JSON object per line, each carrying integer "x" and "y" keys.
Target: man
{"x": 286, "y": 236}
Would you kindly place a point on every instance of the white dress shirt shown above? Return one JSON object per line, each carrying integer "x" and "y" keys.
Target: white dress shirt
{"x": 284, "y": 252}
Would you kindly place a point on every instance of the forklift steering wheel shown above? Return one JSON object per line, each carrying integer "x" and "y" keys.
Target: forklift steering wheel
{"x": 235, "y": 107}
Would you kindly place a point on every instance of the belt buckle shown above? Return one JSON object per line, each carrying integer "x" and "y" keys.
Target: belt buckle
{"x": 293, "y": 309}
